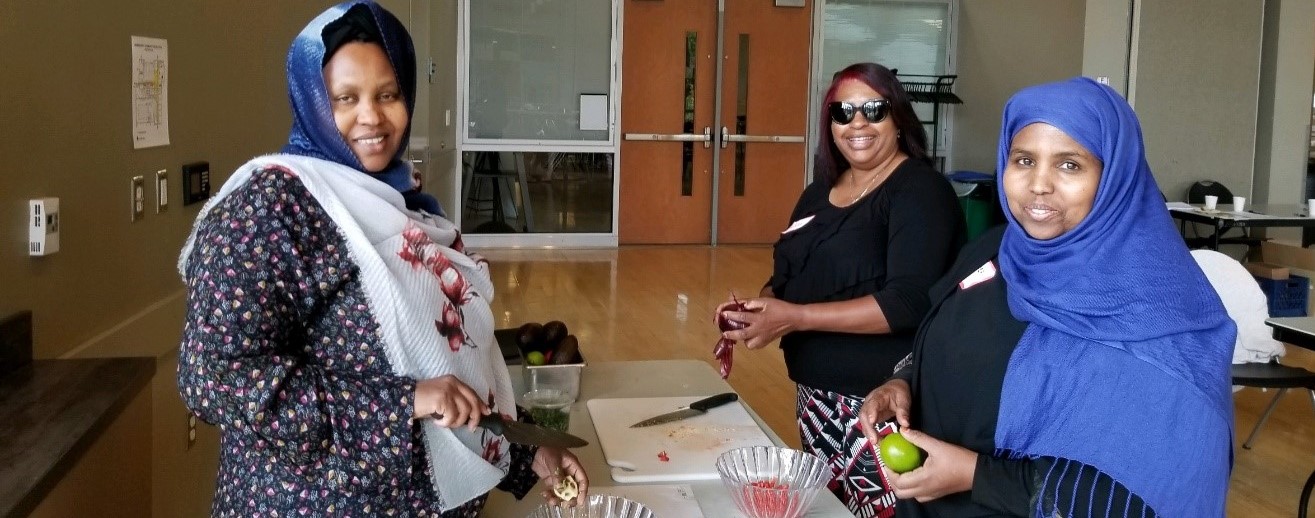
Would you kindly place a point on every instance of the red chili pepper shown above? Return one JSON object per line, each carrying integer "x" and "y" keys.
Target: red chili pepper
{"x": 724, "y": 351}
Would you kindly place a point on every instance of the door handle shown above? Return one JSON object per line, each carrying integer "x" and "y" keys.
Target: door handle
{"x": 705, "y": 138}
{"x": 727, "y": 137}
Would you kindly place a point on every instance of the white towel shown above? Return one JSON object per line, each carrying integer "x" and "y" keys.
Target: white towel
{"x": 1245, "y": 304}
{"x": 431, "y": 302}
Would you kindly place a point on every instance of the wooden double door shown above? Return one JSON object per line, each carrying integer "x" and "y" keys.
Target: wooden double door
{"x": 712, "y": 154}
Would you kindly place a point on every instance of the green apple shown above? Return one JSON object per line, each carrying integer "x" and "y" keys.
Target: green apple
{"x": 899, "y": 454}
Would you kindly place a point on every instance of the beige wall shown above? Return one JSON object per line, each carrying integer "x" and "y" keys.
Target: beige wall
{"x": 1005, "y": 45}
{"x": 1194, "y": 85}
{"x": 1106, "y": 41}
{"x": 67, "y": 135}
{"x": 1223, "y": 88}
{"x": 1282, "y": 134}
{"x": 443, "y": 96}
{"x": 113, "y": 289}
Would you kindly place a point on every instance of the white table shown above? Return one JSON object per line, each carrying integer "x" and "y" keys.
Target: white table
{"x": 1257, "y": 216}
{"x": 1298, "y": 331}
{"x": 656, "y": 378}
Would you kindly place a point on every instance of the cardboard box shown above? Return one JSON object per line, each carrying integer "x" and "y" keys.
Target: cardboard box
{"x": 1267, "y": 270}
{"x": 1300, "y": 261}
{"x": 1287, "y": 255}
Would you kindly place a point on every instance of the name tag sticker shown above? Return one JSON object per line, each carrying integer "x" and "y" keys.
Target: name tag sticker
{"x": 798, "y": 224}
{"x": 983, "y": 274}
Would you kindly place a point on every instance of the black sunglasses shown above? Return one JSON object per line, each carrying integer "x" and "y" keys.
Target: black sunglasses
{"x": 874, "y": 111}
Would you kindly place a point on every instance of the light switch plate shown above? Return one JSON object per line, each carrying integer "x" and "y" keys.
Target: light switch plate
{"x": 137, "y": 197}
{"x": 161, "y": 190}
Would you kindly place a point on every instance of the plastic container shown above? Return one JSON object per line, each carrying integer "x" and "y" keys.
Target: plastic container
{"x": 977, "y": 198}
{"x": 564, "y": 379}
{"x": 772, "y": 482}
{"x": 1287, "y": 297}
{"x": 599, "y": 506}
{"x": 550, "y": 408}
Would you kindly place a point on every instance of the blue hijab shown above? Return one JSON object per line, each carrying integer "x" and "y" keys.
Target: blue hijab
{"x": 314, "y": 132}
{"x": 1125, "y": 362}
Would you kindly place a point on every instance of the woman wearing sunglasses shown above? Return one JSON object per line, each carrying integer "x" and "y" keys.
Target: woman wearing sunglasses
{"x": 867, "y": 238}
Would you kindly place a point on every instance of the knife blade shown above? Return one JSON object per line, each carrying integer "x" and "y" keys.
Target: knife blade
{"x": 526, "y": 433}
{"x": 696, "y": 408}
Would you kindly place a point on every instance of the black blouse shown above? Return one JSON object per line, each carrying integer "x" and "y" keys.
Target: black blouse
{"x": 890, "y": 245}
{"x": 958, "y": 368}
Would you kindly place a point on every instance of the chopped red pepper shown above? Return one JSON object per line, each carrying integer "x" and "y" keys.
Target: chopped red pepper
{"x": 662, "y": 456}
{"x": 767, "y": 498}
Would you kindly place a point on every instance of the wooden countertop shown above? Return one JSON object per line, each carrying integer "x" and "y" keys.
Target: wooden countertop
{"x": 53, "y": 410}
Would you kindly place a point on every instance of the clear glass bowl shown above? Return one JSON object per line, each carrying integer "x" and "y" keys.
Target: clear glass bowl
{"x": 599, "y": 506}
{"x": 772, "y": 482}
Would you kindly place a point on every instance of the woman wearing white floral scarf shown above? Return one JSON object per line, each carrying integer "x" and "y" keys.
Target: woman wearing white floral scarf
{"x": 334, "y": 315}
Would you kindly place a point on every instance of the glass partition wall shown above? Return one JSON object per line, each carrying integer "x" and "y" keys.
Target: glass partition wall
{"x": 537, "y": 140}
{"x": 915, "y": 37}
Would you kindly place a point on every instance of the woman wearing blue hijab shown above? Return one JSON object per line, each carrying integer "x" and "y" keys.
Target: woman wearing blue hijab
{"x": 338, "y": 332}
{"x": 1075, "y": 362}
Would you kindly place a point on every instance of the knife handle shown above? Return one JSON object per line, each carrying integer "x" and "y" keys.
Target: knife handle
{"x": 491, "y": 422}
{"x": 708, "y": 403}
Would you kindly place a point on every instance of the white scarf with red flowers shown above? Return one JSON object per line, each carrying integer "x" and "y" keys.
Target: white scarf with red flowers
{"x": 431, "y": 301}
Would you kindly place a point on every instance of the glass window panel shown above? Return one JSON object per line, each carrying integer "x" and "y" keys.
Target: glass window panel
{"x": 912, "y": 37}
{"x": 529, "y": 63}
{"x": 539, "y": 192}
{"x": 741, "y": 112}
{"x": 687, "y": 148}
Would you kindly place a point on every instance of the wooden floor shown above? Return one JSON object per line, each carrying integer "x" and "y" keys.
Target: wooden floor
{"x": 643, "y": 303}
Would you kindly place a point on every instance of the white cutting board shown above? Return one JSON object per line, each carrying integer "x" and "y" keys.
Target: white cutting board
{"x": 692, "y": 445}
{"x": 666, "y": 501}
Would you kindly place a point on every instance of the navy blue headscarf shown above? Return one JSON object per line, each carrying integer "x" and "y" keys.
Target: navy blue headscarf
{"x": 1125, "y": 362}
{"x": 314, "y": 132}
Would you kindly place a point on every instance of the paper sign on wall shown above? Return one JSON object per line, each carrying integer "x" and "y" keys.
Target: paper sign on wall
{"x": 150, "y": 92}
{"x": 593, "y": 111}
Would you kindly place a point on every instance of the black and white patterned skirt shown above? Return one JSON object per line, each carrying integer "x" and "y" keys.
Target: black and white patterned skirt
{"x": 829, "y": 428}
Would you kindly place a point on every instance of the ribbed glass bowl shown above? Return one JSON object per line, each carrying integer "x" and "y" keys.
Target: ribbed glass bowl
{"x": 599, "y": 506}
{"x": 772, "y": 482}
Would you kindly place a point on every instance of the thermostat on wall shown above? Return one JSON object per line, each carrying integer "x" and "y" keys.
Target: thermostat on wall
{"x": 196, "y": 182}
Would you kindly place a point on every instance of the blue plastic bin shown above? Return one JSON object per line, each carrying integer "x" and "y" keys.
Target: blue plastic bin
{"x": 1287, "y": 297}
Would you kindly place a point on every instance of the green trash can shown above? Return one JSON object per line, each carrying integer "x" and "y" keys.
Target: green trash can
{"x": 977, "y": 198}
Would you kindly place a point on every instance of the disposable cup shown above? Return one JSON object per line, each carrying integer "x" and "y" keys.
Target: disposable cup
{"x": 1211, "y": 202}
{"x": 1310, "y": 208}
{"x": 1239, "y": 204}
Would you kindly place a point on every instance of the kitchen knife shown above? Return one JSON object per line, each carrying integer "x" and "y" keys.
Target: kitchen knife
{"x": 696, "y": 408}
{"x": 526, "y": 433}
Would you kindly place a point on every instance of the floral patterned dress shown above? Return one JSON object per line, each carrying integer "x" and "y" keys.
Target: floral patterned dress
{"x": 281, "y": 351}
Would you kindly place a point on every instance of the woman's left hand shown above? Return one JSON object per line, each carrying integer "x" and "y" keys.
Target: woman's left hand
{"x": 766, "y": 320}
{"x": 948, "y": 469}
{"x": 552, "y": 464}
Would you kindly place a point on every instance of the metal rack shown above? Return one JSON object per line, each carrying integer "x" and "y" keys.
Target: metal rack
{"x": 936, "y": 90}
